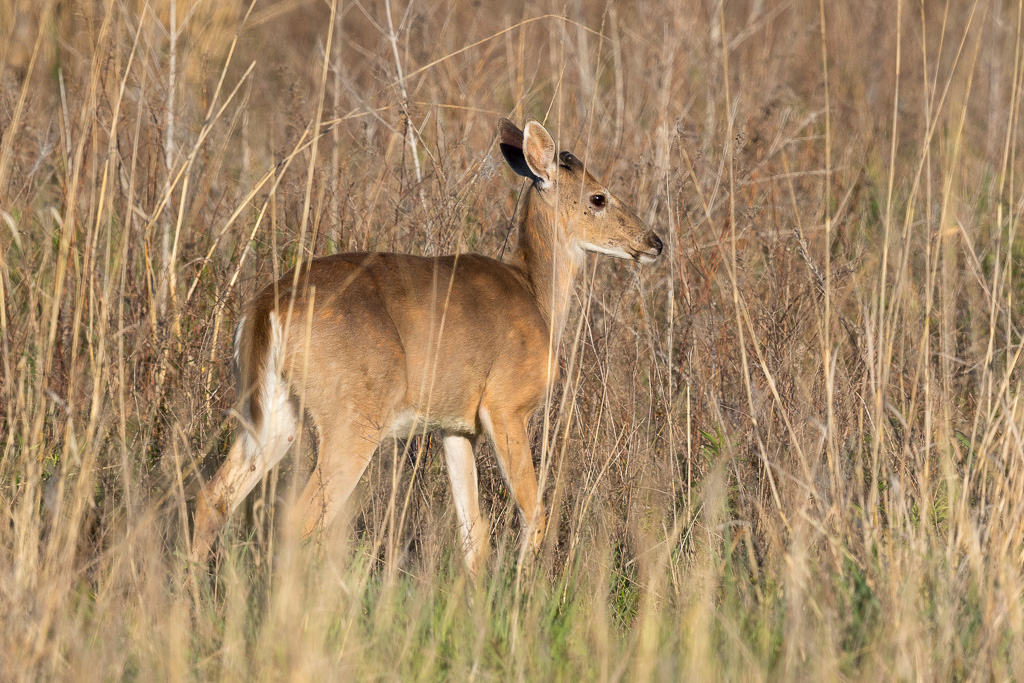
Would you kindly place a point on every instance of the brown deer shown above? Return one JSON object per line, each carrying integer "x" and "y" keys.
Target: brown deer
{"x": 382, "y": 345}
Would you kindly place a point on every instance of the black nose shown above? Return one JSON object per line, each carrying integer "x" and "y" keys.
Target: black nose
{"x": 655, "y": 242}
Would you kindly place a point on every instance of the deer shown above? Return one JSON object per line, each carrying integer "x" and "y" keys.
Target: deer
{"x": 375, "y": 345}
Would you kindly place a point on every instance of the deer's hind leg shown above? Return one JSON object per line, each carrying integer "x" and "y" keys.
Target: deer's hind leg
{"x": 251, "y": 456}
{"x": 346, "y": 447}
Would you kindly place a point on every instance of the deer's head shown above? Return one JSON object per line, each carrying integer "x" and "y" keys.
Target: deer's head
{"x": 592, "y": 218}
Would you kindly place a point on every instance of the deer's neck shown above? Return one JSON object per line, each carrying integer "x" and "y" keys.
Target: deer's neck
{"x": 548, "y": 260}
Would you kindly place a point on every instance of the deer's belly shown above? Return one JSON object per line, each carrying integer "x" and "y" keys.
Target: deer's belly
{"x": 409, "y": 422}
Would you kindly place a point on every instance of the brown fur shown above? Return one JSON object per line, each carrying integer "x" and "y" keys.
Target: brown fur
{"x": 375, "y": 342}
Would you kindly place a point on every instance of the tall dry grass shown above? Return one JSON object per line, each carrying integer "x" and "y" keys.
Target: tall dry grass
{"x": 792, "y": 448}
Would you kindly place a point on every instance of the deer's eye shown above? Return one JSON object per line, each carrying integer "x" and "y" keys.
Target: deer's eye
{"x": 597, "y": 200}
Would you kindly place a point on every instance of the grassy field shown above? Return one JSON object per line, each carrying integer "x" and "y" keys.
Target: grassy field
{"x": 791, "y": 448}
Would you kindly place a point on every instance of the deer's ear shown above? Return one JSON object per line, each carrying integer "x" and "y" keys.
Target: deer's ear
{"x": 510, "y": 141}
{"x": 539, "y": 152}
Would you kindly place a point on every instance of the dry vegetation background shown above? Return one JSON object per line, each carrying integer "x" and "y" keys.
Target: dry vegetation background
{"x": 790, "y": 448}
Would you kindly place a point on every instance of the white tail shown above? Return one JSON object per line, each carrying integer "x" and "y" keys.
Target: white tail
{"x": 381, "y": 344}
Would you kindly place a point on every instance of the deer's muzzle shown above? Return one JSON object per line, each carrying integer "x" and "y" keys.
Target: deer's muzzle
{"x": 654, "y": 247}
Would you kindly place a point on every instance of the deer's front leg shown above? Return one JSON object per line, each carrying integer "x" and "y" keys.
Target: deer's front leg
{"x": 511, "y": 441}
{"x": 458, "y": 453}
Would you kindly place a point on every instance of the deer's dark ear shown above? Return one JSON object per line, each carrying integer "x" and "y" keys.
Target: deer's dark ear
{"x": 510, "y": 141}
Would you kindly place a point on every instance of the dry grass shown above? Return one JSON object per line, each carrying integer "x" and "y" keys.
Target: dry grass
{"x": 792, "y": 448}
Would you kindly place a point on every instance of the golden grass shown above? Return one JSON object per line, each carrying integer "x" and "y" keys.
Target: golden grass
{"x": 791, "y": 448}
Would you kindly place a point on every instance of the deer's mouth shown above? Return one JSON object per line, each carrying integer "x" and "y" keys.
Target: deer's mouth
{"x": 649, "y": 256}
{"x": 654, "y": 247}
{"x": 645, "y": 250}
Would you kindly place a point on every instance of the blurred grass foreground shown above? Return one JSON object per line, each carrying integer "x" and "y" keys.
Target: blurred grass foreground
{"x": 792, "y": 448}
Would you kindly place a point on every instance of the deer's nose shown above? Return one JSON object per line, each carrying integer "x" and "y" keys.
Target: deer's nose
{"x": 654, "y": 242}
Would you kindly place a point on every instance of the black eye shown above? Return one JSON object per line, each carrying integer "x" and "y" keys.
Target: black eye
{"x": 597, "y": 200}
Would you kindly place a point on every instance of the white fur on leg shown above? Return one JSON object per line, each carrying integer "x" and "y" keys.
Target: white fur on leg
{"x": 458, "y": 451}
